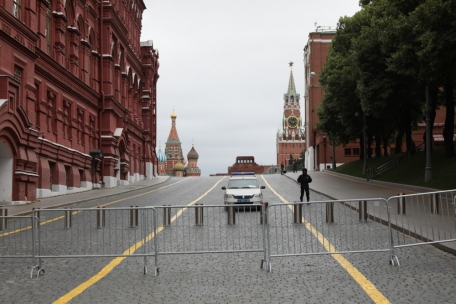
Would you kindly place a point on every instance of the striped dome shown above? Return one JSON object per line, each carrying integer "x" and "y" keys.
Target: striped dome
{"x": 161, "y": 156}
{"x": 192, "y": 154}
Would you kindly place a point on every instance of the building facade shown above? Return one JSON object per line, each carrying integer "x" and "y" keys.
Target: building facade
{"x": 319, "y": 151}
{"x": 247, "y": 164}
{"x": 77, "y": 97}
{"x": 290, "y": 138}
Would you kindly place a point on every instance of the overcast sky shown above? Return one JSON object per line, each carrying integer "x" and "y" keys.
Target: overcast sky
{"x": 224, "y": 70}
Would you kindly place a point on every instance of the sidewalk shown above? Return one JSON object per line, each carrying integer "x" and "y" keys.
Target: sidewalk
{"x": 340, "y": 186}
{"x": 65, "y": 200}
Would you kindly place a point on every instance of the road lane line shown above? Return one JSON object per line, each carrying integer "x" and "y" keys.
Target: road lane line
{"x": 365, "y": 284}
{"x": 76, "y": 212}
{"x": 116, "y": 261}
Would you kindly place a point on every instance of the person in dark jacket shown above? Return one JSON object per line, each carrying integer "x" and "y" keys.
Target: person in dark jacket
{"x": 281, "y": 168}
{"x": 304, "y": 179}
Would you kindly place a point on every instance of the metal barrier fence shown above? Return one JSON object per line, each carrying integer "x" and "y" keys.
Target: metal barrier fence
{"x": 328, "y": 227}
{"x": 210, "y": 229}
{"x": 18, "y": 238}
{"x": 277, "y": 230}
{"x": 100, "y": 232}
{"x": 424, "y": 218}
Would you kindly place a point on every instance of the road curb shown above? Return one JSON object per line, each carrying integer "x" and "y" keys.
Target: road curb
{"x": 90, "y": 199}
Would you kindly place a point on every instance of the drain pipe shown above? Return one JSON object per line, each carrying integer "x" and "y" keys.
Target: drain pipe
{"x": 101, "y": 91}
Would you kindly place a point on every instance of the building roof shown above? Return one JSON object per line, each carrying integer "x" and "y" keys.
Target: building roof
{"x": 179, "y": 166}
{"x": 173, "y": 137}
{"x": 291, "y": 87}
{"x": 192, "y": 154}
{"x": 161, "y": 156}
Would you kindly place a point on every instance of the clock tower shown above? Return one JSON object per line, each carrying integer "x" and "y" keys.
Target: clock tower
{"x": 290, "y": 138}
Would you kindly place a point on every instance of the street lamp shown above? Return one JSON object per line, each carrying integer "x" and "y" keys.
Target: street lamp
{"x": 324, "y": 148}
{"x": 334, "y": 154}
{"x": 364, "y": 143}
{"x": 428, "y": 169}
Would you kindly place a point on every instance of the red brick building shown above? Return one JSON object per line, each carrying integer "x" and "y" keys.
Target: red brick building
{"x": 319, "y": 150}
{"x": 77, "y": 97}
{"x": 290, "y": 139}
{"x": 247, "y": 164}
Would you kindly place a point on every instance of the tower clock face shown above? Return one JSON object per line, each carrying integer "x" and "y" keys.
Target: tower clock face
{"x": 292, "y": 122}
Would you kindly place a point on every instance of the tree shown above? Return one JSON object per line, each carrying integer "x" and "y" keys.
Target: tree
{"x": 337, "y": 111}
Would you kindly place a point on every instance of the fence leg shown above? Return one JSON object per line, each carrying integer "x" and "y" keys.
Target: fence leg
{"x": 401, "y": 204}
{"x": 330, "y": 212}
{"x": 199, "y": 215}
{"x": 263, "y": 214}
{"x": 3, "y": 221}
{"x": 231, "y": 215}
{"x": 362, "y": 209}
{"x": 67, "y": 218}
{"x": 134, "y": 216}
{"x": 36, "y": 218}
{"x": 167, "y": 215}
{"x": 435, "y": 204}
{"x": 100, "y": 217}
{"x": 297, "y": 213}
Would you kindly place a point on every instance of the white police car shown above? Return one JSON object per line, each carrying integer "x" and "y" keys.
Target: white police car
{"x": 243, "y": 188}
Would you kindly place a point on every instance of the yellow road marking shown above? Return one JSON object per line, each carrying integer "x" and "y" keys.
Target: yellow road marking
{"x": 116, "y": 261}
{"x": 365, "y": 284}
{"x": 76, "y": 212}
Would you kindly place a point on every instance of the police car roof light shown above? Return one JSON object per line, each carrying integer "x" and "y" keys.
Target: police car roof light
{"x": 242, "y": 173}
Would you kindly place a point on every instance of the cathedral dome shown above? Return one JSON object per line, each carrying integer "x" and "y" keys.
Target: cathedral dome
{"x": 179, "y": 166}
{"x": 192, "y": 154}
{"x": 173, "y": 115}
{"x": 161, "y": 156}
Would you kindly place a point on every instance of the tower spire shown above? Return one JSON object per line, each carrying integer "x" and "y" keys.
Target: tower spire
{"x": 291, "y": 83}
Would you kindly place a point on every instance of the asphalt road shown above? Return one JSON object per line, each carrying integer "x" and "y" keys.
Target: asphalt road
{"x": 426, "y": 274}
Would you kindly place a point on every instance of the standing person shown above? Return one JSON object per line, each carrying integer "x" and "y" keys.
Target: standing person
{"x": 295, "y": 167}
{"x": 281, "y": 168}
{"x": 304, "y": 179}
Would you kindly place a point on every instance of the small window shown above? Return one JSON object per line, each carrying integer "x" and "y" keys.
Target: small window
{"x": 17, "y": 73}
{"x": 17, "y": 9}
{"x": 348, "y": 151}
{"x": 356, "y": 151}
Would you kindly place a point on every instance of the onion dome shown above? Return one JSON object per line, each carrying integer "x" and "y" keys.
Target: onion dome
{"x": 192, "y": 154}
{"x": 179, "y": 166}
{"x": 161, "y": 156}
{"x": 173, "y": 115}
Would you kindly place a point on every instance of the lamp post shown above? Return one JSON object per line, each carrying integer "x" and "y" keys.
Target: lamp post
{"x": 364, "y": 143}
{"x": 324, "y": 148}
{"x": 334, "y": 154}
{"x": 428, "y": 169}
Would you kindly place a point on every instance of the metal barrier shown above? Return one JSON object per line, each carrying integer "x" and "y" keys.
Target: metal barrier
{"x": 216, "y": 230}
{"x": 277, "y": 230}
{"x": 100, "y": 232}
{"x": 424, "y": 218}
{"x": 328, "y": 227}
{"x": 18, "y": 238}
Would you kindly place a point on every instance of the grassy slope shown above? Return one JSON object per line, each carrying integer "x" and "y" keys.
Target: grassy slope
{"x": 411, "y": 170}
